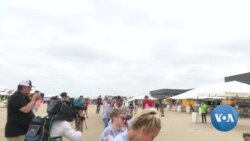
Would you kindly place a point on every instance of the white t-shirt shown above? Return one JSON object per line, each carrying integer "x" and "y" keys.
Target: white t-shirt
{"x": 63, "y": 128}
{"x": 110, "y": 132}
{"x": 122, "y": 137}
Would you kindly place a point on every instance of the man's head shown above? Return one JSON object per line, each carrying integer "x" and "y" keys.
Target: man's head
{"x": 119, "y": 101}
{"x": 64, "y": 95}
{"x": 25, "y": 86}
{"x": 113, "y": 101}
{"x": 146, "y": 97}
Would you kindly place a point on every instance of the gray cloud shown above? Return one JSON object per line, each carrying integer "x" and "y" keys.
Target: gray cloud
{"x": 77, "y": 53}
{"x": 121, "y": 47}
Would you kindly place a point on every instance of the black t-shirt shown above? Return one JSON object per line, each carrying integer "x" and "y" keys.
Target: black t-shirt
{"x": 17, "y": 121}
{"x": 99, "y": 101}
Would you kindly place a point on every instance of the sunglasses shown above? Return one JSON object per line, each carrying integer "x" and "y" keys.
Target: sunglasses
{"x": 123, "y": 118}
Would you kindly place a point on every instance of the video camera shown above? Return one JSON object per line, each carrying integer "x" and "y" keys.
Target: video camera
{"x": 36, "y": 91}
{"x": 63, "y": 109}
{"x": 77, "y": 108}
{"x": 60, "y": 110}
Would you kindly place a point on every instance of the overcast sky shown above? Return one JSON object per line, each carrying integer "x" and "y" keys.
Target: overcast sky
{"x": 122, "y": 47}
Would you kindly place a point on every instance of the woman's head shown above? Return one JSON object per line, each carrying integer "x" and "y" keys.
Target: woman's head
{"x": 118, "y": 117}
{"x": 146, "y": 125}
{"x": 246, "y": 136}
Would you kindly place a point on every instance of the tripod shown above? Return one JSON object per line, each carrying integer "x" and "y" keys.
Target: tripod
{"x": 80, "y": 120}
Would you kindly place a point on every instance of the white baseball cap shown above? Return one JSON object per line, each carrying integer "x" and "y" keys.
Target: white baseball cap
{"x": 26, "y": 83}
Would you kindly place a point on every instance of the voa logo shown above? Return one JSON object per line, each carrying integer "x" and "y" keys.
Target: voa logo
{"x": 224, "y": 118}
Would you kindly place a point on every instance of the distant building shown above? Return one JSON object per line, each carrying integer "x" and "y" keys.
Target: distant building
{"x": 164, "y": 93}
{"x": 244, "y": 78}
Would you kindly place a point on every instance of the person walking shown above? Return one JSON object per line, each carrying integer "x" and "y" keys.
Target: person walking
{"x": 107, "y": 109}
{"x": 131, "y": 108}
{"x": 204, "y": 112}
{"x": 98, "y": 104}
{"x": 161, "y": 108}
{"x": 19, "y": 111}
{"x": 137, "y": 105}
{"x": 147, "y": 103}
{"x": 80, "y": 116}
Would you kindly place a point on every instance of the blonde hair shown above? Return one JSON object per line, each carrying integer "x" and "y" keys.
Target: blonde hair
{"x": 116, "y": 112}
{"x": 148, "y": 118}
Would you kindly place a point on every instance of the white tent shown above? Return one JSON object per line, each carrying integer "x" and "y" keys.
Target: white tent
{"x": 228, "y": 89}
{"x": 4, "y": 93}
{"x": 141, "y": 97}
{"x": 3, "y": 88}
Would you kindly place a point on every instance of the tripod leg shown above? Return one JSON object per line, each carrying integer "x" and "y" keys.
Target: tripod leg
{"x": 85, "y": 122}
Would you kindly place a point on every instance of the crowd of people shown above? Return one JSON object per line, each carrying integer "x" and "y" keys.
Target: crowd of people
{"x": 20, "y": 113}
{"x": 121, "y": 122}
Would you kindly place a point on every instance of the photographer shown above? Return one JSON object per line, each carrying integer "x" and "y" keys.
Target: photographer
{"x": 19, "y": 111}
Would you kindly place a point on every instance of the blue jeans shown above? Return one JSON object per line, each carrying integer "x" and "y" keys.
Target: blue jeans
{"x": 106, "y": 122}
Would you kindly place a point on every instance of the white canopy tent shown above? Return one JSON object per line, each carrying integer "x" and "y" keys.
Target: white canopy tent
{"x": 141, "y": 97}
{"x": 217, "y": 90}
{"x": 3, "y": 88}
{"x": 4, "y": 93}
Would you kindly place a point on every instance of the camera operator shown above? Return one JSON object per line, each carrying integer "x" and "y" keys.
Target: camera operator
{"x": 80, "y": 117}
{"x": 19, "y": 111}
{"x": 65, "y": 98}
{"x": 65, "y": 114}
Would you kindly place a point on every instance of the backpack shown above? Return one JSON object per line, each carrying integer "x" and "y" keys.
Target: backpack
{"x": 39, "y": 129}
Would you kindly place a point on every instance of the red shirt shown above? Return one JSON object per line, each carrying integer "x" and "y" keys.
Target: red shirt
{"x": 147, "y": 103}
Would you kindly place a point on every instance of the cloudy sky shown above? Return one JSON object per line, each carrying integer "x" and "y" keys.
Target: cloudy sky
{"x": 122, "y": 47}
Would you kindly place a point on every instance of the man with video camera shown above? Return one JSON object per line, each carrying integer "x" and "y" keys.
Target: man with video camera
{"x": 65, "y": 113}
{"x": 80, "y": 117}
